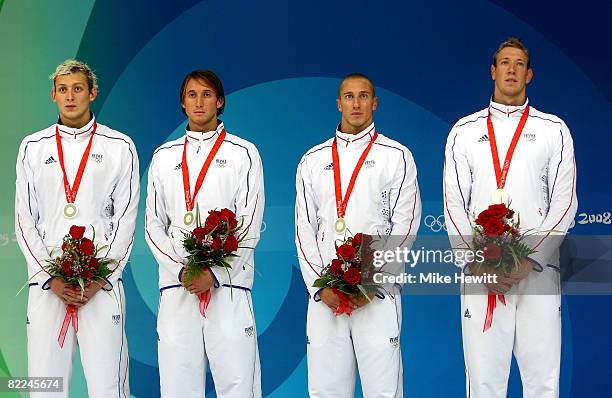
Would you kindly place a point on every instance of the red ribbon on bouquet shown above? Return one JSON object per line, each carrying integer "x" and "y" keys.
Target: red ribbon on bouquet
{"x": 71, "y": 315}
{"x": 492, "y": 303}
{"x": 204, "y": 301}
{"x": 344, "y": 307}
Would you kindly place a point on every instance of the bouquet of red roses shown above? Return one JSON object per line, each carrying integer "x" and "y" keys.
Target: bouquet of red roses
{"x": 345, "y": 274}
{"x": 497, "y": 237}
{"x": 212, "y": 244}
{"x": 78, "y": 265}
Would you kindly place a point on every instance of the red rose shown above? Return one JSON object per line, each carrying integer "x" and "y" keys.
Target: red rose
{"x": 492, "y": 252}
{"x": 213, "y": 222}
{"x": 87, "y": 247}
{"x": 77, "y": 232}
{"x": 216, "y": 243}
{"x": 507, "y": 228}
{"x": 494, "y": 228}
{"x": 87, "y": 274}
{"x": 233, "y": 224}
{"x": 336, "y": 267}
{"x": 352, "y": 276}
{"x": 227, "y": 215}
{"x": 67, "y": 268}
{"x": 483, "y": 217}
{"x": 356, "y": 242}
{"x": 231, "y": 244}
{"x": 498, "y": 211}
{"x": 64, "y": 246}
{"x": 199, "y": 233}
{"x": 510, "y": 214}
{"x": 93, "y": 263}
{"x": 346, "y": 252}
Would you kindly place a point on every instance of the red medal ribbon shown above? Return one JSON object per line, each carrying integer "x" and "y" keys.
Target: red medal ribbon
{"x": 204, "y": 301}
{"x": 492, "y": 303}
{"x": 71, "y": 315}
{"x": 502, "y": 173}
{"x": 190, "y": 200}
{"x": 72, "y": 192}
{"x": 500, "y": 176}
{"x": 344, "y": 307}
{"x": 342, "y": 203}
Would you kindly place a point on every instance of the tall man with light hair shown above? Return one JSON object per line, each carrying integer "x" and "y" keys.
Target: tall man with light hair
{"x": 77, "y": 172}
{"x": 358, "y": 181}
{"x": 511, "y": 152}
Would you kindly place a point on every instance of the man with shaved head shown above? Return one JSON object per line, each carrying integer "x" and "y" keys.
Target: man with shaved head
{"x": 358, "y": 181}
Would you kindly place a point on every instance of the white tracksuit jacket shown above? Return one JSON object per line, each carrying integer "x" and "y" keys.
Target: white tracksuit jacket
{"x": 385, "y": 201}
{"x": 108, "y": 200}
{"x": 107, "y": 197}
{"x": 541, "y": 181}
{"x": 234, "y": 180}
{"x": 541, "y": 184}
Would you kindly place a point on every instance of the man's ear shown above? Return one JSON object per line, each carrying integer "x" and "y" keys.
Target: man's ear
{"x": 93, "y": 93}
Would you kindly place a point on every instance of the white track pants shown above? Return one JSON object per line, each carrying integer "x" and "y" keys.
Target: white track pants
{"x": 225, "y": 340}
{"x": 369, "y": 339}
{"x": 529, "y": 325}
{"x": 101, "y": 339}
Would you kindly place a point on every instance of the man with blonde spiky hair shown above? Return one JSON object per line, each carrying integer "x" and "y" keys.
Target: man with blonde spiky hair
{"x": 77, "y": 172}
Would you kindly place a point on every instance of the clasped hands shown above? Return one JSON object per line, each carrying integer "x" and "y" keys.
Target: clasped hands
{"x": 72, "y": 295}
{"x": 199, "y": 284}
{"x": 332, "y": 300}
{"x": 504, "y": 281}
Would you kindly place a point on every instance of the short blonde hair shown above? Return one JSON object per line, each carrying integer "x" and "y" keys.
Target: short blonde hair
{"x": 73, "y": 66}
{"x": 513, "y": 42}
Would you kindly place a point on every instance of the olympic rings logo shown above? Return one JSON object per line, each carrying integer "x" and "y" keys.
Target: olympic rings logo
{"x": 436, "y": 224}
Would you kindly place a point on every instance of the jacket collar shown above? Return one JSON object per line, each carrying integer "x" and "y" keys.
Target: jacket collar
{"x": 498, "y": 110}
{"x": 202, "y": 136}
{"x": 362, "y": 137}
{"x": 72, "y": 132}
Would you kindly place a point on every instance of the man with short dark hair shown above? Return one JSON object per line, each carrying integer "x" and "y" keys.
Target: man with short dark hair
{"x": 376, "y": 178}
{"x": 229, "y": 172}
{"x": 512, "y": 153}
{"x": 77, "y": 172}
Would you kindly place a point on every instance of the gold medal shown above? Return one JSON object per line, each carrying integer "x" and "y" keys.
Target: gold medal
{"x": 500, "y": 196}
{"x": 70, "y": 210}
{"x": 340, "y": 225}
{"x": 189, "y": 219}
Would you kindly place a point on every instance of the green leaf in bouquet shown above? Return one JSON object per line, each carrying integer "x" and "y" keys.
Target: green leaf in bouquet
{"x": 320, "y": 283}
{"x": 363, "y": 291}
{"x": 27, "y": 282}
{"x": 197, "y": 215}
{"x": 81, "y": 285}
